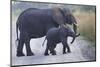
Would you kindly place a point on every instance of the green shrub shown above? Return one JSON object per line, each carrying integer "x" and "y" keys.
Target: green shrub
{"x": 86, "y": 22}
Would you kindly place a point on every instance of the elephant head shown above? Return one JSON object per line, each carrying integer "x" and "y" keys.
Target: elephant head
{"x": 63, "y": 17}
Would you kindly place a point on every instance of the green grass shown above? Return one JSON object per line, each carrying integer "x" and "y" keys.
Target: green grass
{"x": 86, "y": 22}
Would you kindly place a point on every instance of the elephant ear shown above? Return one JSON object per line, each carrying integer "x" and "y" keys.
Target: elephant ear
{"x": 58, "y": 16}
{"x": 69, "y": 17}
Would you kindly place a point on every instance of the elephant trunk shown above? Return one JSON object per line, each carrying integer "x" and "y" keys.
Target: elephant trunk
{"x": 75, "y": 31}
{"x": 75, "y": 28}
{"x": 74, "y": 38}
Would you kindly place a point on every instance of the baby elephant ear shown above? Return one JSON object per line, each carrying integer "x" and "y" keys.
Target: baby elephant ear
{"x": 58, "y": 16}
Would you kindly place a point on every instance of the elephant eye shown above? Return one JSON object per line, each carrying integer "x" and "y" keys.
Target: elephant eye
{"x": 69, "y": 19}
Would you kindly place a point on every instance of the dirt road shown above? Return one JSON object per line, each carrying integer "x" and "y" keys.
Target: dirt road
{"x": 81, "y": 50}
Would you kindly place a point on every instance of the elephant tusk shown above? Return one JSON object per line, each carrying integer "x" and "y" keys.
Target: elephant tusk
{"x": 66, "y": 25}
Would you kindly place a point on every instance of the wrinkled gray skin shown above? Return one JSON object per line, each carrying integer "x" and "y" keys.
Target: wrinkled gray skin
{"x": 34, "y": 23}
{"x": 57, "y": 35}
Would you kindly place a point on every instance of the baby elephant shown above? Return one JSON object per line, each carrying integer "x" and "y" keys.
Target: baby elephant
{"x": 57, "y": 35}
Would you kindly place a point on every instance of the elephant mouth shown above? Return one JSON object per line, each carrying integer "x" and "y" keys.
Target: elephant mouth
{"x": 75, "y": 27}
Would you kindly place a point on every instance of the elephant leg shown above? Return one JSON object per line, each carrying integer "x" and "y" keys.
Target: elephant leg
{"x": 64, "y": 49}
{"x": 28, "y": 48}
{"x": 52, "y": 51}
{"x": 46, "y": 52}
{"x": 68, "y": 49}
{"x": 20, "y": 46}
{"x": 65, "y": 45}
{"x": 47, "y": 49}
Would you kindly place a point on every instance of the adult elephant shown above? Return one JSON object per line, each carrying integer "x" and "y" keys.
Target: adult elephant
{"x": 34, "y": 23}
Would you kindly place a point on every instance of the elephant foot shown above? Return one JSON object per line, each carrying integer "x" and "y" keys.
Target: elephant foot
{"x": 30, "y": 54}
{"x": 53, "y": 53}
{"x": 46, "y": 54}
{"x": 19, "y": 54}
{"x": 69, "y": 51}
{"x": 64, "y": 52}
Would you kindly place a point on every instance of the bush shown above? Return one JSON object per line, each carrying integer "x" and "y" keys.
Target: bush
{"x": 86, "y": 22}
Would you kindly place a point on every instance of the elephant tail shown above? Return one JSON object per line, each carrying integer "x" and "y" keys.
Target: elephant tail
{"x": 17, "y": 31}
{"x": 17, "y": 40}
{"x": 43, "y": 42}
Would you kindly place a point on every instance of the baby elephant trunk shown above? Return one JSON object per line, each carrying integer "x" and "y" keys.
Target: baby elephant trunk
{"x": 75, "y": 37}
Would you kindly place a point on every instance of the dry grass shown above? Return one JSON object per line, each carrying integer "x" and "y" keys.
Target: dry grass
{"x": 86, "y": 22}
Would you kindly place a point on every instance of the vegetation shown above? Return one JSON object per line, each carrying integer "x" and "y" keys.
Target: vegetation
{"x": 86, "y": 22}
